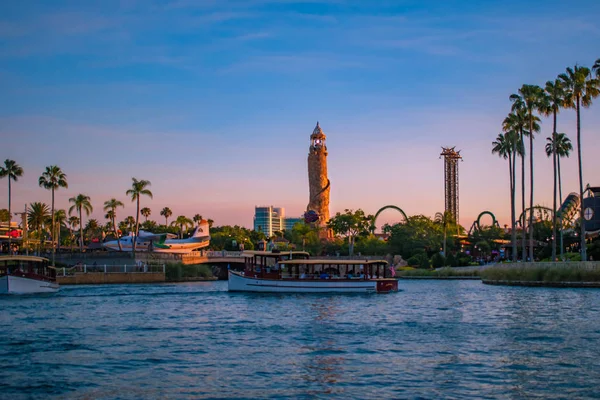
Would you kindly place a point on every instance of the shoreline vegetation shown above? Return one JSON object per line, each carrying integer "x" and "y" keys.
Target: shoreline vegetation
{"x": 559, "y": 274}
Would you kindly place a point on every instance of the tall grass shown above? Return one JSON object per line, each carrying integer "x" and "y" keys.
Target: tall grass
{"x": 178, "y": 272}
{"x": 542, "y": 274}
{"x": 438, "y": 273}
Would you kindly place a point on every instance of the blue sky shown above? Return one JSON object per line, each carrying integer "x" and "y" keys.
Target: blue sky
{"x": 214, "y": 101}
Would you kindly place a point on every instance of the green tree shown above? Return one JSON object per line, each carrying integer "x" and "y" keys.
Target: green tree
{"x": 110, "y": 206}
{"x": 580, "y": 90}
{"x": 145, "y": 213}
{"x": 419, "y": 234}
{"x": 81, "y": 203}
{"x": 138, "y": 189}
{"x": 12, "y": 171}
{"x": 53, "y": 178}
{"x": 37, "y": 215}
{"x": 350, "y": 224}
{"x": 533, "y": 99}
{"x": 4, "y": 215}
{"x": 596, "y": 68}
{"x": 182, "y": 222}
{"x": 197, "y": 219}
{"x": 166, "y": 212}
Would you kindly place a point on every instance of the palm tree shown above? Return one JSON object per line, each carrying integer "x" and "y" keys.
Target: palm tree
{"x": 530, "y": 97}
{"x": 564, "y": 147}
{"x": 37, "y": 215}
{"x": 555, "y": 94}
{"x": 182, "y": 221}
{"x": 166, "y": 212}
{"x": 91, "y": 228}
{"x": 580, "y": 89}
{"x": 81, "y": 203}
{"x": 130, "y": 223}
{"x": 508, "y": 146}
{"x": 60, "y": 219}
{"x": 517, "y": 121}
{"x": 111, "y": 205}
{"x": 53, "y": 178}
{"x": 445, "y": 219}
{"x": 12, "y": 170}
{"x": 145, "y": 213}
{"x": 596, "y": 68}
{"x": 197, "y": 219}
{"x": 138, "y": 188}
{"x": 73, "y": 223}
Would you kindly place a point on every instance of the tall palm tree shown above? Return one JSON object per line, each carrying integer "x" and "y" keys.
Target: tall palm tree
{"x": 37, "y": 215}
{"x": 561, "y": 145}
{"x": 197, "y": 219}
{"x": 81, "y": 203}
{"x": 12, "y": 170}
{"x": 111, "y": 205}
{"x": 580, "y": 89}
{"x": 60, "y": 219}
{"x": 182, "y": 221}
{"x": 145, "y": 213}
{"x": 166, "y": 212}
{"x": 556, "y": 99}
{"x": 531, "y": 97}
{"x": 53, "y": 178}
{"x": 445, "y": 219}
{"x": 138, "y": 188}
{"x": 508, "y": 146}
{"x": 517, "y": 121}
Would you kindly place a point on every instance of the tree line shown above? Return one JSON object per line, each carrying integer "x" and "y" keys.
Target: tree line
{"x": 574, "y": 89}
{"x": 42, "y": 219}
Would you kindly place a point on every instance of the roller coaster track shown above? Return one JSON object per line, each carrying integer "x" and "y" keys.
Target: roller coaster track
{"x": 373, "y": 226}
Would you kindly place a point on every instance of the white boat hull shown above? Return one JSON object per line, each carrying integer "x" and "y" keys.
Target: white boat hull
{"x": 240, "y": 283}
{"x": 10, "y": 284}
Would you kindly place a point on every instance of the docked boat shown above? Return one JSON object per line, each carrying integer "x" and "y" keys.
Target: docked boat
{"x": 295, "y": 272}
{"x": 26, "y": 274}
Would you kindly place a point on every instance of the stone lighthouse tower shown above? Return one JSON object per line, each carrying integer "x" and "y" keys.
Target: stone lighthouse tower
{"x": 317, "y": 176}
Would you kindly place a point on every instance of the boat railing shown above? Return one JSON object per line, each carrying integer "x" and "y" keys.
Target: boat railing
{"x": 111, "y": 269}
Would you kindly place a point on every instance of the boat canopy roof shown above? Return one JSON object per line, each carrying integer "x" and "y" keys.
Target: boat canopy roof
{"x": 252, "y": 253}
{"x": 333, "y": 262}
{"x": 23, "y": 258}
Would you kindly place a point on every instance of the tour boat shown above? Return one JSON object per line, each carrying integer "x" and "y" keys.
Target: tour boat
{"x": 26, "y": 274}
{"x": 294, "y": 272}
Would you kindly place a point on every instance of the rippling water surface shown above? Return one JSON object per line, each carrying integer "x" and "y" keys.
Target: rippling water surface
{"x": 434, "y": 339}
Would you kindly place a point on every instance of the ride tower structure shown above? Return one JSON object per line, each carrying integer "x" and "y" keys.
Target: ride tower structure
{"x": 451, "y": 158}
{"x": 318, "y": 181}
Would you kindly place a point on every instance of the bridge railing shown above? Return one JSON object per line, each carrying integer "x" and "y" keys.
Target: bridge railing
{"x": 108, "y": 269}
{"x": 224, "y": 254}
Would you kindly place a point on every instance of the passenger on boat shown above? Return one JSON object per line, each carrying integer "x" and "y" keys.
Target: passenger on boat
{"x": 324, "y": 275}
{"x": 303, "y": 276}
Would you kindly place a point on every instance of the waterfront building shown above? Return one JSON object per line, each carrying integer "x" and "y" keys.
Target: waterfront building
{"x": 288, "y": 223}
{"x": 269, "y": 219}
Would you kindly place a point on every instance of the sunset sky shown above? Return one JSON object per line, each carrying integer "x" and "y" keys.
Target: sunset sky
{"x": 214, "y": 101}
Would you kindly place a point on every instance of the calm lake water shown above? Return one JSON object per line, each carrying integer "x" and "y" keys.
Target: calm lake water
{"x": 434, "y": 339}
